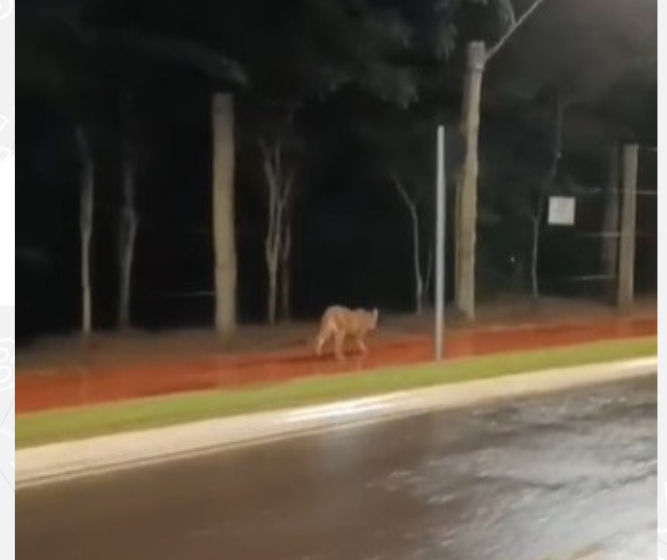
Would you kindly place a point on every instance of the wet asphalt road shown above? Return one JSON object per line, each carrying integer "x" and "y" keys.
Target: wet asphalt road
{"x": 523, "y": 480}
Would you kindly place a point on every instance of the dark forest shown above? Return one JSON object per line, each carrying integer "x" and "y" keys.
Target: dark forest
{"x": 335, "y": 106}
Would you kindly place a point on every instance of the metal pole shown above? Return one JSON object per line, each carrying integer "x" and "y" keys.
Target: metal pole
{"x": 440, "y": 205}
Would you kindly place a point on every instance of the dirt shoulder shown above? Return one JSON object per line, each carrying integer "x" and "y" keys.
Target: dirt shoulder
{"x": 51, "y": 355}
{"x": 165, "y": 365}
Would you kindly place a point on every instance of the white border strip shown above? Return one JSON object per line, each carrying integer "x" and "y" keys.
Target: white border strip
{"x": 68, "y": 460}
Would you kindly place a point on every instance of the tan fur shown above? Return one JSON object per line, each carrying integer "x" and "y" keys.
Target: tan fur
{"x": 339, "y": 322}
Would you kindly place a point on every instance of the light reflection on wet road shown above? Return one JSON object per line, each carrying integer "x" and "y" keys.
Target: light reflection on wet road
{"x": 521, "y": 480}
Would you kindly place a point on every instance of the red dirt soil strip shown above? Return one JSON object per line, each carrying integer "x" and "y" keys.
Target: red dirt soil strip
{"x": 85, "y": 386}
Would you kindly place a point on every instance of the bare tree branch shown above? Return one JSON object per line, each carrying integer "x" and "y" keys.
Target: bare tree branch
{"x": 501, "y": 42}
{"x": 403, "y": 193}
{"x": 277, "y": 159}
{"x": 206, "y": 59}
{"x": 272, "y": 187}
{"x": 287, "y": 191}
{"x": 416, "y": 245}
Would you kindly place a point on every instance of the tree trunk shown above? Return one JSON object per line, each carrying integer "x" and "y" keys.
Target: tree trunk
{"x": 543, "y": 193}
{"x": 535, "y": 254}
{"x": 416, "y": 253}
{"x": 279, "y": 177}
{"x": 419, "y": 282}
{"x": 127, "y": 237}
{"x": 272, "y": 257}
{"x": 224, "y": 239}
{"x": 272, "y": 294}
{"x": 86, "y": 222}
{"x": 610, "y": 223}
{"x": 285, "y": 276}
{"x": 466, "y": 194}
{"x": 537, "y": 229}
{"x": 272, "y": 242}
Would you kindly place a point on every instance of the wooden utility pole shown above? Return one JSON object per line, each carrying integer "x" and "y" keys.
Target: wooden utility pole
{"x": 224, "y": 244}
{"x": 610, "y": 222}
{"x": 466, "y": 193}
{"x": 628, "y": 234}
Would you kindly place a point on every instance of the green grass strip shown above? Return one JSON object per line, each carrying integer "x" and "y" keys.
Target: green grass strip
{"x": 83, "y": 422}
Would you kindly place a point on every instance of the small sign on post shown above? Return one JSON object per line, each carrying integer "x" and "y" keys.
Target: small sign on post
{"x": 561, "y": 210}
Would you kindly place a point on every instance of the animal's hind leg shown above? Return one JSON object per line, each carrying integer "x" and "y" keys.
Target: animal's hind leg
{"x": 322, "y": 338}
{"x": 361, "y": 345}
{"x": 340, "y": 340}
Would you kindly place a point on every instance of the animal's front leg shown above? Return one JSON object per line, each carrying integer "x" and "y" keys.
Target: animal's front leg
{"x": 340, "y": 341}
{"x": 361, "y": 345}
